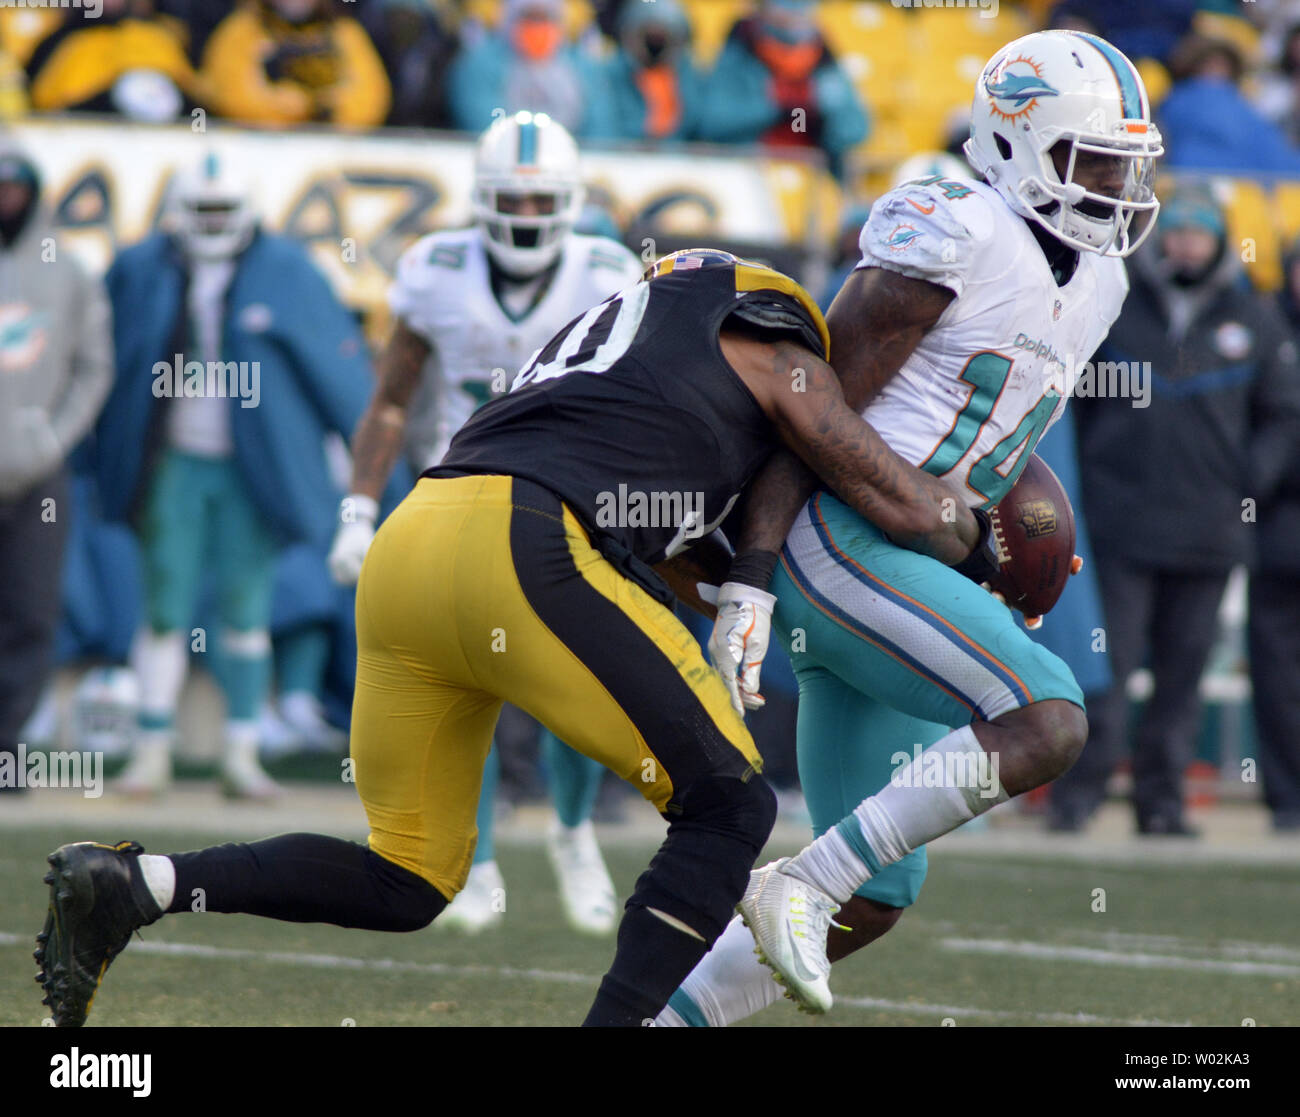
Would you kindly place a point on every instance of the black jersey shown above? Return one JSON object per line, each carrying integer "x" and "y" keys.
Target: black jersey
{"x": 631, "y": 414}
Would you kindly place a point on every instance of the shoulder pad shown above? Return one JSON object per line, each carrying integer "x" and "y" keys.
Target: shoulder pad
{"x": 931, "y": 229}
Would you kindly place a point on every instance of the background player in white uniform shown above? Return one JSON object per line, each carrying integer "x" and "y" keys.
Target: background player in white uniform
{"x": 471, "y": 306}
{"x": 969, "y": 316}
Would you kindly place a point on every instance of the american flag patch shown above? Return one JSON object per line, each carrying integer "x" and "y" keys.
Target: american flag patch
{"x": 688, "y": 263}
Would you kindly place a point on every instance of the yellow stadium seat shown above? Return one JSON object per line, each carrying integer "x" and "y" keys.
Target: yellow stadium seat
{"x": 1236, "y": 30}
{"x": 873, "y": 29}
{"x": 711, "y": 22}
{"x": 1156, "y": 78}
{"x": 485, "y": 11}
{"x": 1252, "y": 230}
{"x": 1286, "y": 202}
{"x": 969, "y": 26}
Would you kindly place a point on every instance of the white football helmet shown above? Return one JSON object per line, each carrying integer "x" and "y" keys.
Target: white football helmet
{"x": 1067, "y": 85}
{"x": 209, "y": 211}
{"x": 526, "y": 162}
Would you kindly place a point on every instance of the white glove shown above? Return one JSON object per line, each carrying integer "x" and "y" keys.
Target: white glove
{"x": 739, "y": 641}
{"x": 357, "y": 515}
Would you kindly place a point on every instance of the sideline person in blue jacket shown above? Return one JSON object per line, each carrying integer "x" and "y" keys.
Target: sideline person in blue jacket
{"x": 234, "y": 360}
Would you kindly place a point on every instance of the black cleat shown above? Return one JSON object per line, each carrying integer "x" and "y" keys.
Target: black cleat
{"x": 98, "y": 897}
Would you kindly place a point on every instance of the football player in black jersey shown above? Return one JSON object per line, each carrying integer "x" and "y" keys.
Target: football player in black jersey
{"x": 522, "y": 568}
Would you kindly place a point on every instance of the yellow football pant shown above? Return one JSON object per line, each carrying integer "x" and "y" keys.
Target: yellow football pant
{"x": 484, "y": 589}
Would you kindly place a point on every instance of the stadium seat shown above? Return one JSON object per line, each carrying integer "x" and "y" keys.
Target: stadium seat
{"x": 969, "y": 27}
{"x": 873, "y": 29}
{"x": 711, "y": 21}
{"x": 1253, "y": 231}
{"x": 1156, "y": 78}
{"x": 1286, "y": 202}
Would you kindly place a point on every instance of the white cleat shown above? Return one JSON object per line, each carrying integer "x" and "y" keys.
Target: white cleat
{"x": 149, "y": 772}
{"x": 304, "y": 717}
{"x": 586, "y": 891}
{"x": 242, "y": 777}
{"x": 789, "y": 918}
{"x": 480, "y": 905}
{"x": 275, "y": 738}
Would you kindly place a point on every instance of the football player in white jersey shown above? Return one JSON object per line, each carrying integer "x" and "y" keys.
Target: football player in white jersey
{"x": 958, "y": 336}
{"x": 471, "y": 306}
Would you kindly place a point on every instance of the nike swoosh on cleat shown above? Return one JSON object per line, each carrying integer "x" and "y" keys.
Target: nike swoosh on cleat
{"x": 803, "y": 973}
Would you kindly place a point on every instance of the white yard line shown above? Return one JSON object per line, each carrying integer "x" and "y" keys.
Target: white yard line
{"x": 562, "y": 977}
{"x": 1125, "y": 959}
{"x": 961, "y": 1011}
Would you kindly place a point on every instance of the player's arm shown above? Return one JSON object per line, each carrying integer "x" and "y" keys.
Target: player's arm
{"x": 801, "y": 395}
{"x": 376, "y": 445}
{"x": 377, "y": 441}
{"x": 875, "y": 322}
{"x": 828, "y": 439}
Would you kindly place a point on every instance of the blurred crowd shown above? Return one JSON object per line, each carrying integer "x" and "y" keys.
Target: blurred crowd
{"x": 610, "y": 71}
{"x": 1215, "y": 488}
{"x": 784, "y": 73}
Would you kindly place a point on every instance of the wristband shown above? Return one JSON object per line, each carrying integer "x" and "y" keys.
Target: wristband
{"x": 357, "y": 507}
{"x": 982, "y": 563}
{"x": 753, "y": 568}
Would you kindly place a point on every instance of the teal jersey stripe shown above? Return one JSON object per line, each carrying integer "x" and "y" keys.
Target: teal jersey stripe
{"x": 1130, "y": 92}
{"x": 527, "y": 143}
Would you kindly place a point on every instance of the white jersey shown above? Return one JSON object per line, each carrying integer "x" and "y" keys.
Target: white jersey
{"x": 443, "y": 292}
{"x": 994, "y": 373}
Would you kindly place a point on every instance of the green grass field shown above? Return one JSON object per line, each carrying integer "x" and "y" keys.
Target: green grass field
{"x": 994, "y": 941}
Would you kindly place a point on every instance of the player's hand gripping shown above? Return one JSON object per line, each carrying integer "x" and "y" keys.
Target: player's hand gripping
{"x": 739, "y": 641}
{"x": 357, "y": 515}
{"x": 1032, "y": 623}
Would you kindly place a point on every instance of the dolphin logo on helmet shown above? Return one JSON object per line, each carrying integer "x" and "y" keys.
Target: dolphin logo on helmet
{"x": 1056, "y": 87}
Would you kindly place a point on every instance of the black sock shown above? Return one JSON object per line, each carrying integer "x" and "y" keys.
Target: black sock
{"x": 305, "y": 878}
{"x": 652, "y": 960}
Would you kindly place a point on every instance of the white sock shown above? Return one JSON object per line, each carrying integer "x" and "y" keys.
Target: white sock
{"x": 951, "y": 782}
{"x": 160, "y": 662}
{"x": 728, "y": 984}
{"x": 830, "y": 864}
{"x": 160, "y": 876}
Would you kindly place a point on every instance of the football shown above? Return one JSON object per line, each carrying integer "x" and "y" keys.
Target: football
{"x": 1033, "y": 528}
